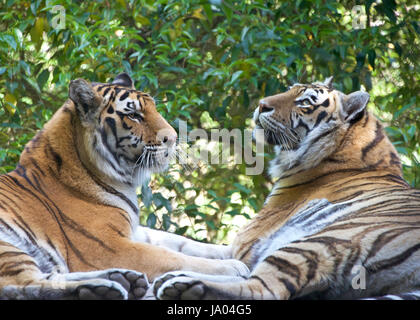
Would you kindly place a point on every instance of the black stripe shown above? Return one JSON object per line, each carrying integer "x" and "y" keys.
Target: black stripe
{"x": 53, "y": 209}
{"x": 284, "y": 266}
{"x": 326, "y": 103}
{"x": 9, "y": 254}
{"x": 9, "y": 228}
{"x": 52, "y": 246}
{"x": 118, "y": 231}
{"x": 245, "y": 253}
{"x": 263, "y": 283}
{"x": 10, "y": 265}
{"x": 102, "y": 86}
{"x": 55, "y": 156}
{"x": 112, "y": 124}
{"x": 12, "y": 273}
{"x": 12, "y": 201}
{"x": 106, "y": 91}
{"x": 357, "y": 171}
{"x": 366, "y": 120}
{"x": 124, "y": 95}
{"x": 35, "y": 164}
{"x": 357, "y": 117}
{"x": 379, "y": 135}
{"x": 104, "y": 138}
{"x": 108, "y": 188}
{"x": 311, "y": 260}
{"x": 321, "y": 116}
{"x": 289, "y": 286}
{"x": 384, "y": 238}
{"x": 326, "y": 133}
{"x": 394, "y": 159}
{"x": 28, "y": 231}
{"x": 311, "y": 143}
{"x": 302, "y": 124}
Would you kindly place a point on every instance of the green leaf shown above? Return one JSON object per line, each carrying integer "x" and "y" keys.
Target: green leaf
{"x": 211, "y": 224}
{"x": 146, "y": 195}
{"x": 151, "y": 220}
{"x": 10, "y": 40}
{"x": 166, "y": 221}
{"x": 253, "y": 203}
{"x": 411, "y": 131}
{"x": 160, "y": 201}
{"x": 397, "y": 114}
{"x": 181, "y": 231}
{"x": 233, "y": 213}
{"x": 25, "y": 67}
{"x": 43, "y": 78}
{"x": 227, "y": 10}
{"x": 242, "y": 188}
{"x": 235, "y": 76}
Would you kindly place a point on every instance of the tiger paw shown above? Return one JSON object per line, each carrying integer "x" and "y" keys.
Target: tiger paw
{"x": 230, "y": 267}
{"x": 100, "y": 289}
{"x": 176, "y": 286}
{"x": 135, "y": 283}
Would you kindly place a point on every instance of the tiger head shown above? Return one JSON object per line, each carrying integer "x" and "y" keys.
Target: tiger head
{"x": 310, "y": 123}
{"x": 123, "y": 134}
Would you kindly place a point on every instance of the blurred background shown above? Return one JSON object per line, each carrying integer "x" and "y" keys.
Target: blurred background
{"x": 208, "y": 63}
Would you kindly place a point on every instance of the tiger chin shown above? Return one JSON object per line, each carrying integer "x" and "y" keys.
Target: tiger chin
{"x": 69, "y": 211}
{"x": 340, "y": 222}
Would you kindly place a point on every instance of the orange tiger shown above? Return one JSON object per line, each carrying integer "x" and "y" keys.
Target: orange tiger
{"x": 69, "y": 212}
{"x": 340, "y": 222}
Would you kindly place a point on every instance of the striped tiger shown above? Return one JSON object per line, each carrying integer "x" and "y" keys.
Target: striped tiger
{"x": 69, "y": 211}
{"x": 340, "y": 221}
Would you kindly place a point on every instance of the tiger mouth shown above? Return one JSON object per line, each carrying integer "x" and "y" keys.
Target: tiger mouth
{"x": 158, "y": 150}
{"x": 155, "y": 158}
{"x": 284, "y": 137}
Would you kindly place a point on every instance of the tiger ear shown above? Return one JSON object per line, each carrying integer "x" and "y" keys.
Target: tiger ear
{"x": 123, "y": 79}
{"x": 353, "y": 104}
{"x": 85, "y": 99}
{"x": 328, "y": 82}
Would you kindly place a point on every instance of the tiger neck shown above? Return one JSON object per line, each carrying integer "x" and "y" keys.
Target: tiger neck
{"x": 364, "y": 151}
{"x": 58, "y": 153}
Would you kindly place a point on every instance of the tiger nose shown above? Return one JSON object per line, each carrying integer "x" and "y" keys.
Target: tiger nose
{"x": 264, "y": 107}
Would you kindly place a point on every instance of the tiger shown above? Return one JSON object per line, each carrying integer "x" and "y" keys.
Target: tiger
{"x": 340, "y": 221}
{"x": 69, "y": 212}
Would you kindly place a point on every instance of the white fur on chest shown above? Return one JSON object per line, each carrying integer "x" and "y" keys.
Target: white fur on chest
{"x": 312, "y": 218}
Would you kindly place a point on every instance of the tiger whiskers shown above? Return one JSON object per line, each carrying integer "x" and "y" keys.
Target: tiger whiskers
{"x": 138, "y": 164}
{"x": 283, "y": 136}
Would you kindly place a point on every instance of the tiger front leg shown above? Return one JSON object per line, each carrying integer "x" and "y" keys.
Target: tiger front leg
{"x": 193, "y": 286}
{"x": 21, "y": 278}
{"x": 182, "y": 244}
{"x": 154, "y": 261}
{"x": 287, "y": 273}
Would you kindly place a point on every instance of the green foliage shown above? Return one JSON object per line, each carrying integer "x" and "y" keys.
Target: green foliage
{"x": 218, "y": 57}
